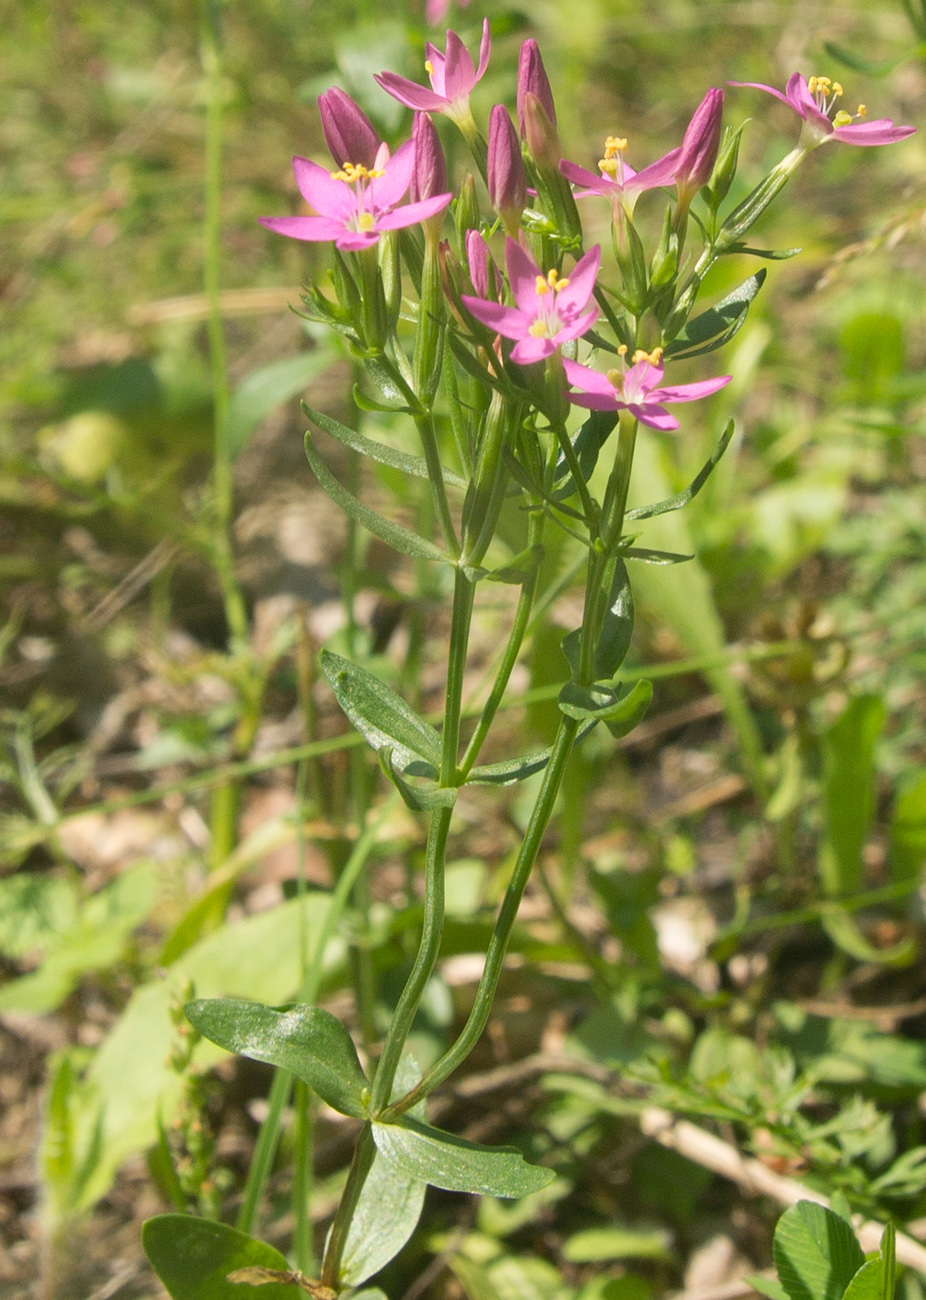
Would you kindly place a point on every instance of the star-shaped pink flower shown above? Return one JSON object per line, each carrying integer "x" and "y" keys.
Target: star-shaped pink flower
{"x": 452, "y": 76}
{"x": 617, "y": 180}
{"x": 355, "y": 205}
{"x": 815, "y": 100}
{"x": 636, "y": 390}
{"x": 549, "y": 311}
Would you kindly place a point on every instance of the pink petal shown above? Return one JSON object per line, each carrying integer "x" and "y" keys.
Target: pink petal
{"x": 528, "y": 350}
{"x": 435, "y": 57}
{"x": 590, "y": 381}
{"x": 329, "y": 198}
{"x": 522, "y": 276}
{"x": 878, "y": 131}
{"x": 800, "y": 98}
{"x": 597, "y": 401}
{"x": 412, "y": 213}
{"x": 655, "y": 417}
{"x": 503, "y": 320}
{"x": 410, "y": 93}
{"x": 353, "y": 240}
{"x": 643, "y": 377}
{"x": 690, "y": 392}
{"x": 577, "y": 328}
{"x": 757, "y": 85}
{"x": 485, "y": 49}
{"x": 661, "y": 172}
{"x": 459, "y": 73}
{"x": 389, "y": 189}
{"x": 581, "y": 282}
{"x": 579, "y": 176}
{"x": 314, "y": 229}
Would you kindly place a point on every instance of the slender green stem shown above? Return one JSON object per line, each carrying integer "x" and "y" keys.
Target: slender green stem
{"x": 265, "y": 1150}
{"x": 303, "y": 1134}
{"x": 498, "y": 945}
{"x": 425, "y": 426}
{"x": 360, "y": 1166}
{"x": 589, "y": 508}
{"x": 223, "y": 505}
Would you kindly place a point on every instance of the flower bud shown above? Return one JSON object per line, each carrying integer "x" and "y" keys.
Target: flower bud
{"x": 539, "y": 132}
{"x": 546, "y": 153}
{"x": 507, "y": 179}
{"x": 724, "y": 168}
{"x": 700, "y": 146}
{"x": 466, "y": 215}
{"x": 429, "y": 177}
{"x": 482, "y": 270}
{"x": 349, "y": 133}
{"x": 533, "y": 80}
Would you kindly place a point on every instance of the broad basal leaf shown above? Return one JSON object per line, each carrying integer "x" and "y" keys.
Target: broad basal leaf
{"x": 439, "y": 1158}
{"x": 816, "y": 1252}
{"x": 193, "y": 1258}
{"x": 307, "y": 1040}
{"x": 383, "y": 717}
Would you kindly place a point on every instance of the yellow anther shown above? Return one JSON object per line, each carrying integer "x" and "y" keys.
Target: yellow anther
{"x": 608, "y": 166}
{"x": 622, "y": 350}
{"x": 615, "y": 377}
{"x": 837, "y": 90}
{"x": 613, "y": 146}
{"x": 862, "y": 111}
{"x": 539, "y": 330}
{"x": 653, "y": 357}
{"x": 429, "y": 67}
{"x": 820, "y": 86}
{"x": 351, "y": 173}
{"x": 842, "y": 119}
{"x": 541, "y": 286}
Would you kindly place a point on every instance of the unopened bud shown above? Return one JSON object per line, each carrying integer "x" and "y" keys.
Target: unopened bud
{"x": 507, "y": 179}
{"x": 700, "y": 145}
{"x": 349, "y": 133}
{"x": 429, "y": 176}
{"x": 466, "y": 215}
{"x": 725, "y": 167}
{"x": 482, "y": 270}
{"x": 533, "y": 80}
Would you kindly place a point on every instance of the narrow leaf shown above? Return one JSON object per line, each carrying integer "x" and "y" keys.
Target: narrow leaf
{"x": 454, "y": 1164}
{"x": 815, "y": 1252}
{"x": 693, "y": 488}
{"x": 386, "y": 382}
{"x": 378, "y": 451}
{"x": 383, "y": 717}
{"x": 395, "y": 535}
{"x": 649, "y": 556}
{"x": 602, "y": 703}
{"x": 848, "y": 793}
{"x": 717, "y": 325}
{"x": 518, "y": 769}
{"x": 420, "y": 798}
{"x": 845, "y": 934}
{"x": 310, "y": 1042}
{"x": 194, "y": 1257}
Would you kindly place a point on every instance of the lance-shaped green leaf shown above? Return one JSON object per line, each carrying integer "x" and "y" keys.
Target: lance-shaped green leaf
{"x": 194, "y": 1257}
{"x": 310, "y": 1042}
{"x": 378, "y": 451}
{"x": 264, "y": 390}
{"x": 389, "y": 384}
{"x": 602, "y": 702}
{"x": 693, "y": 488}
{"x": 454, "y": 1164}
{"x": 395, "y": 535}
{"x": 769, "y": 254}
{"x": 648, "y": 556}
{"x": 383, "y": 718}
{"x": 718, "y": 325}
{"x": 421, "y": 796}
{"x": 518, "y": 769}
{"x": 816, "y": 1252}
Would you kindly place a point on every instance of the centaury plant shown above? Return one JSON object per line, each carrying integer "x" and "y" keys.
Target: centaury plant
{"x": 515, "y": 326}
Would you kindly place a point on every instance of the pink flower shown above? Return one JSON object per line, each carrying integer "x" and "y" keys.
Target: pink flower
{"x": 548, "y": 312}
{"x": 349, "y": 133}
{"x": 435, "y": 11}
{"x": 617, "y": 181}
{"x": 815, "y": 100}
{"x": 700, "y": 145}
{"x": 635, "y": 390}
{"x": 356, "y": 204}
{"x": 452, "y": 77}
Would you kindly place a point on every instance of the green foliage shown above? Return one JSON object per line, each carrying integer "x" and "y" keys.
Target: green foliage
{"x": 194, "y": 1258}
{"x": 848, "y": 793}
{"x": 419, "y": 1151}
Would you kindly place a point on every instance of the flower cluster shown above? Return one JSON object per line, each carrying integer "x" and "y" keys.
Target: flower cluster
{"x": 548, "y": 303}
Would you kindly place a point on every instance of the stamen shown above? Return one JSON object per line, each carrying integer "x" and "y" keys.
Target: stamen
{"x": 622, "y": 350}
{"x": 842, "y": 118}
{"x": 429, "y": 67}
{"x": 351, "y": 173}
{"x": 610, "y": 164}
{"x": 541, "y": 286}
{"x": 653, "y": 357}
{"x": 615, "y": 377}
{"x": 862, "y": 111}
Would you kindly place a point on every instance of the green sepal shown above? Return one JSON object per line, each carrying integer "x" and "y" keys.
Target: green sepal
{"x": 693, "y": 488}
{"x": 193, "y": 1258}
{"x": 383, "y": 718}
{"x": 395, "y": 535}
{"x": 378, "y": 451}
{"x": 309, "y": 1041}
{"x": 454, "y": 1164}
{"x": 715, "y": 327}
{"x": 601, "y": 702}
{"x": 420, "y": 798}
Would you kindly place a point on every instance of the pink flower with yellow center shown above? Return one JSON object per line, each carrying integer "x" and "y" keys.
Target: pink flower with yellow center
{"x": 452, "y": 75}
{"x": 356, "y": 204}
{"x": 618, "y": 181}
{"x": 814, "y": 101}
{"x": 636, "y": 390}
{"x": 548, "y": 310}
